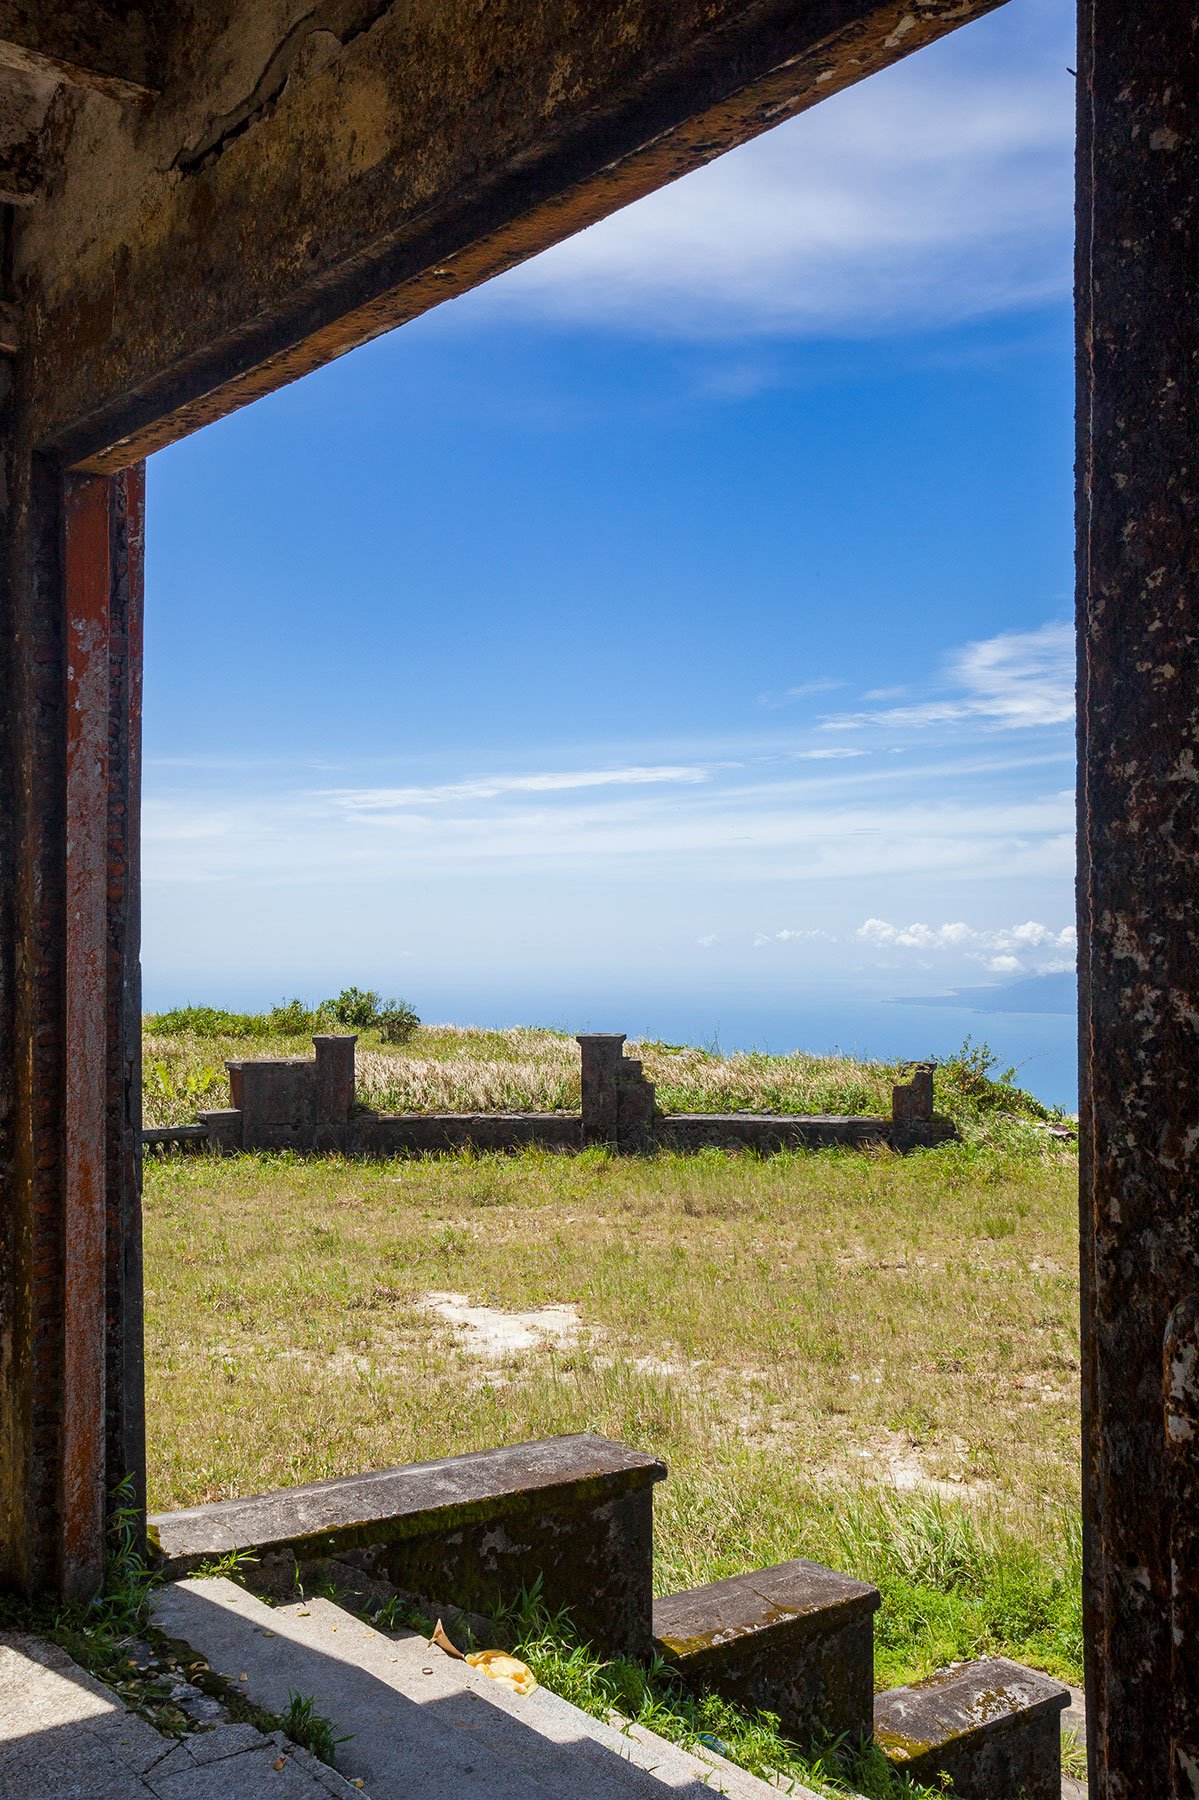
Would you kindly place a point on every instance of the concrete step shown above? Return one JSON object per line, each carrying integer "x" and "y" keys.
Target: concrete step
{"x": 65, "y": 1736}
{"x": 796, "y": 1640}
{"x": 424, "y": 1725}
{"x": 573, "y": 1513}
{"x": 992, "y": 1728}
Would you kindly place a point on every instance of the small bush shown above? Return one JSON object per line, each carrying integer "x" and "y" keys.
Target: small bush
{"x": 396, "y": 1021}
{"x": 355, "y": 1008}
{"x": 966, "y": 1084}
{"x": 291, "y": 1018}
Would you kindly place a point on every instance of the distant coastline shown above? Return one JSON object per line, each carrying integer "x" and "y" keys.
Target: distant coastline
{"x": 1056, "y": 994}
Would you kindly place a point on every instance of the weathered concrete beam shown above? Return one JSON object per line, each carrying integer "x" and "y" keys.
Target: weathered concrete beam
{"x": 113, "y": 48}
{"x": 300, "y": 189}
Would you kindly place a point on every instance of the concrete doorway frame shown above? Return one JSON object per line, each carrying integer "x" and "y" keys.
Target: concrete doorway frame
{"x": 269, "y": 243}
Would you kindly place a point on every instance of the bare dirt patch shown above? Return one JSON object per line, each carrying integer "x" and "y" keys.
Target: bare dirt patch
{"x": 490, "y": 1332}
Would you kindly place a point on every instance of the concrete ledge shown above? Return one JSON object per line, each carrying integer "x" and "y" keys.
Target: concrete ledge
{"x": 794, "y": 1131}
{"x": 796, "y": 1640}
{"x": 576, "y": 1512}
{"x": 398, "y": 1134}
{"x": 307, "y": 1104}
{"x": 171, "y": 1137}
{"x": 992, "y": 1728}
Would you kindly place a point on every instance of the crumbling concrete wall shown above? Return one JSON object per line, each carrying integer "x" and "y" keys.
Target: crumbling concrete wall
{"x": 305, "y": 1104}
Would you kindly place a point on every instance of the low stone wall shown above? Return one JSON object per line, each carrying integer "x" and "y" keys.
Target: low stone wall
{"x": 408, "y": 1134}
{"x": 793, "y": 1131}
{"x": 307, "y": 1104}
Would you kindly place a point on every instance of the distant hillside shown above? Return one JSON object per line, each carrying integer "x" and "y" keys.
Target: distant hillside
{"x": 1035, "y": 994}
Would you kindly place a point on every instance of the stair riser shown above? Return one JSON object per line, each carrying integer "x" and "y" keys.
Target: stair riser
{"x": 1024, "y": 1758}
{"x": 796, "y": 1640}
{"x": 991, "y": 1728}
{"x": 594, "y": 1560}
{"x": 819, "y": 1685}
{"x": 575, "y": 1513}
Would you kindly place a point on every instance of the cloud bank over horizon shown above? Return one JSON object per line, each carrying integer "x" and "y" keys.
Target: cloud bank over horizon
{"x": 966, "y": 793}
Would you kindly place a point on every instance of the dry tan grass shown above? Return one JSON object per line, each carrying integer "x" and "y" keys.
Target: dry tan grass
{"x": 446, "y": 1068}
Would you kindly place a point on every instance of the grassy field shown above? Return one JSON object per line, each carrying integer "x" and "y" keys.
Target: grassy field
{"x": 867, "y": 1359}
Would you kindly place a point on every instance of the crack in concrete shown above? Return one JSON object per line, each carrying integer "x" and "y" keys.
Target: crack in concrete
{"x": 341, "y": 20}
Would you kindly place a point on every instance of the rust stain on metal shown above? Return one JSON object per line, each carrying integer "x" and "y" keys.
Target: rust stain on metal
{"x": 87, "y": 583}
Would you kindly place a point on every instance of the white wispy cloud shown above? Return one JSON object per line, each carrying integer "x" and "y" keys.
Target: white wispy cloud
{"x": 493, "y": 787}
{"x": 802, "y": 830}
{"x": 832, "y": 753}
{"x": 1010, "y": 950}
{"x": 1016, "y": 680}
{"x": 822, "y": 684}
{"x": 816, "y": 936}
{"x": 937, "y": 191}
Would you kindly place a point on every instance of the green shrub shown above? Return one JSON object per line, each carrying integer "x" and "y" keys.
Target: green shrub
{"x": 355, "y": 1008}
{"x": 291, "y": 1018}
{"x": 965, "y": 1084}
{"x": 207, "y": 1021}
{"x": 396, "y": 1021}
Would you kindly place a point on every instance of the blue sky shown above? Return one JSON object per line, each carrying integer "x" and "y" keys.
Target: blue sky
{"x": 684, "y": 614}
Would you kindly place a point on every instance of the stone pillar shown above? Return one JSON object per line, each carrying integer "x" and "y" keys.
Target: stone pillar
{"x": 1138, "y": 891}
{"x": 635, "y": 1108}
{"x": 912, "y": 1101}
{"x": 602, "y": 1053}
{"x": 334, "y": 1090}
{"x": 225, "y": 1131}
{"x": 70, "y": 1094}
{"x": 922, "y": 1093}
{"x": 277, "y": 1097}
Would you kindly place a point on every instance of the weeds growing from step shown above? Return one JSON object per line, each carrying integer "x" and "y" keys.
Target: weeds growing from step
{"x": 310, "y": 1729}
{"x": 99, "y": 1634}
{"x": 620, "y": 1691}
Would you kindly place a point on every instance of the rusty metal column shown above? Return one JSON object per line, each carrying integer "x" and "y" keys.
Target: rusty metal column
{"x": 1138, "y": 526}
{"x": 70, "y": 1276}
